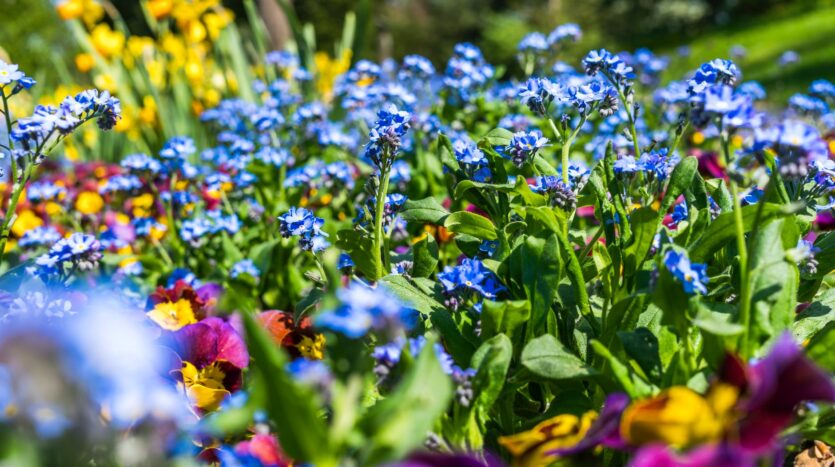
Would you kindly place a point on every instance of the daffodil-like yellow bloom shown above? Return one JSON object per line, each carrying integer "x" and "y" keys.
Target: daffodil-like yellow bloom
{"x": 173, "y": 315}
{"x": 159, "y": 9}
{"x": 26, "y": 221}
{"x": 678, "y": 417}
{"x": 106, "y": 41}
{"x": 142, "y": 205}
{"x": 89, "y": 11}
{"x": 533, "y": 448}
{"x": 328, "y": 69}
{"x": 312, "y": 348}
{"x": 84, "y": 62}
{"x": 89, "y": 202}
{"x": 204, "y": 387}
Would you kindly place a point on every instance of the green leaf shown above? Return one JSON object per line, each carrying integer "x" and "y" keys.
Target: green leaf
{"x": 820, "y": 348}
{"x": 723, "y": 231}
{"x": 503, "y": 317}
{"x": 623, "y": 375}
{"x": 826, "y": 256}
{"x": 549, "y": 359}
{"x": 644, "y": 222}
{"x": 399, "y": 423}
{"x": 528, "y": 196}
{"x": 360, "y": 247}
{"x": 492, "y": 361}
{"x": 426, "y": 211}
{"x": 541, "y": 273}
{"x": 815, "y": 316}
{"x": 498, "y": 137}
{"x": 411, "y": 295}
{"x": 465, "y": 222}
{"x": 718, "y": 319}
{"x": 465, "y": 185}
{"x": 642, "y": 346}
{"x": 289, "y": 405}
{"x": 424, "y": 257}
{"x": 774, "y": 282}
{"x": 680, "y": 180}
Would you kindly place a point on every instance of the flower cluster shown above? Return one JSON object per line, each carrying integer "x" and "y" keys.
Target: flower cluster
{"x": 299, "y": 222}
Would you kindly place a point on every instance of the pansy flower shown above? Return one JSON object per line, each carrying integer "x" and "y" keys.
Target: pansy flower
{"x": 297, "y": 337}
{"x": 212, "y": 355}
{"x": 181, "y": 304}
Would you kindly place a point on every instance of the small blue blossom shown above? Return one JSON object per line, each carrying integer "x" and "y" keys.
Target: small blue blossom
{"x": 364, "y": 309}
{"x": 693, "y": 276}
{"x": 523, "y": 147}
{"x": 244, "y": 266}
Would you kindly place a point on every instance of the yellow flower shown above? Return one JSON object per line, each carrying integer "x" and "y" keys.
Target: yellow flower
{"x": 328, "y": 69}
{"x": 26, "y": 221}
{"x": 172, "y": 315}
{"x": 142, "y": 205}
{"x": 106, "y": 41}
{"x": 159, "y": 8}
{"x": 89, "y": 202}
{"x": 84, "y": 62}
{"x": 205, "y": 386}
{"x": 533, "y": 447}
{"x": 70, "y": 9}
{"x": 313, "y": 348}
{"x": 52, "y": 208}
{"x": 215, "y": 22}
{"x": 105, "y": 81}
{"x": 677, "y": 417}
{"x": 698, "y": 137}
{"x": 148, "y": 112}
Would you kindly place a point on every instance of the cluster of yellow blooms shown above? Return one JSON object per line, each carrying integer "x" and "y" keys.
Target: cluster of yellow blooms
{"x": 141, "y": 69}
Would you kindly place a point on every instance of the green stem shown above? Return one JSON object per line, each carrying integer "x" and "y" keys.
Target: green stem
{"x": 10, "y": 211}
{"x": 744, "y": 286}
{"x": 379, "y": 212}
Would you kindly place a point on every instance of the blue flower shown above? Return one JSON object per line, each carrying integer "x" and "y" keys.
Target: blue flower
{"x": 523, "y": 147}
{"x": 364, "y": 309}
{"x": 539, "y": 93}
{"x": 141, "y": 163}
{"x": 472, "y": 160}
{"x": 568, "y": 32}
{"x": 345, "y": 262}
{"x": 82, "y": 250}
{"x": 415, "y": 68}
{"x": 626, "y": 165}
{"x": 121, "y": 184}
{"x": 39, "y": 236}
{"x": 533, "y": 43}
{"x": 178, "y": 147}
{"x": 299, "y": 222}
{"x": 808, "y": 105}
{"x": 822, "y": 88}
{"x": 282, "y": 59}
{"x": 693, "y": 276}
{"x": 244, "y": 266}
{"x": 385, "y": 138}
{"x": 470, "y": 276}
{"x": 680, "y": 213}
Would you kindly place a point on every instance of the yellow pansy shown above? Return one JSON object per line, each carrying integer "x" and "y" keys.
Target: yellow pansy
{"x": 26, "y": 221}
{"x": 204, "y": 387}
{"x": 52, "y": 208}
{"x": 89, "y": 202}
{"x": 172, "y": 315}
{"x": 313, "y": 348}
{"x": 106, "y": 41}
{"x": 677, "y": 417}
{"x": 142, "y": 205}
{"x": 534, "y": 447}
